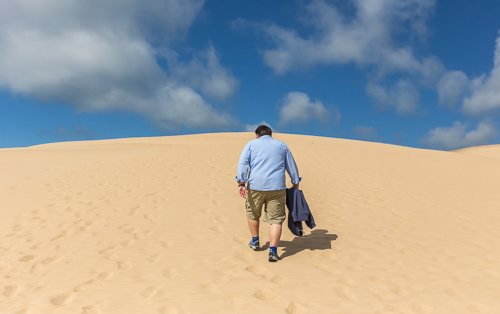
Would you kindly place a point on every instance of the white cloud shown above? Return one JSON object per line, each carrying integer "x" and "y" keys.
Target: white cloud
{"x": 253, "y": 127}
{"x": 477, "y": 95}
{"x": 486, "y": 89}
{"x": 205, "y": 73}
{"x": 366, "y": 133}
{"x": 451, "y": 87}
{"x": 364, "y": 39}
{"x": 102, "y": 56}
{"x": 456, "y": 136}
{"x": 298, "y": 108}
{"x": 377, "y": 36}
{"x": 404, "y": 97}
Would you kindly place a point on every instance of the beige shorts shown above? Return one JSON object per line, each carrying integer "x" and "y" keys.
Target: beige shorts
{"x": 274, "y": 210}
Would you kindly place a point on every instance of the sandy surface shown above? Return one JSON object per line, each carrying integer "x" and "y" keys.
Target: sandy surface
{"x": 491, "y": 151}
{"x": 155, "y": 225}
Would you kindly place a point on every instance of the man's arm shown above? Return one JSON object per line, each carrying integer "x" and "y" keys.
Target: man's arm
{"x": 242, "y": 172}
{"x": 291, "y": 168}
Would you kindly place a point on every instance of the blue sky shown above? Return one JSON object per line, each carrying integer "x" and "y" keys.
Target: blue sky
{"x": 419, "y": 73}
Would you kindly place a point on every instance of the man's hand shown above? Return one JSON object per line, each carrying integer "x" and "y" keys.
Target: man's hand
{"x": 242, "y": 191}
{"x": 295, "y": 186}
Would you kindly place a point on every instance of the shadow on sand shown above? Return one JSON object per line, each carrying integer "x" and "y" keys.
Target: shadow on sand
{"x": 318, "y": 240}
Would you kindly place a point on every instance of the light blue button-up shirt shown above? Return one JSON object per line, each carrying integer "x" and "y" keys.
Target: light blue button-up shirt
{"x": 268, "y": 159}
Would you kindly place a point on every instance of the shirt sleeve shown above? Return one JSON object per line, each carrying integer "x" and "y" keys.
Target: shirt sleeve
{"x": 243, "y": 164}
{"x": 291, "y": 167}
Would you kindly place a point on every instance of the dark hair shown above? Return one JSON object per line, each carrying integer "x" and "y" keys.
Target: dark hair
{"x": 262, "y": 130}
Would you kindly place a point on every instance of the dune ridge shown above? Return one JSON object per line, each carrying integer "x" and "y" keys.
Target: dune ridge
{"x": 155, "y": 225}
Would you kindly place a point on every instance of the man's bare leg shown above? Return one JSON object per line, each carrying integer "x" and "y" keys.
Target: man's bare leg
{"x": 274, "y": 235}
{"x": 254, "y": 227}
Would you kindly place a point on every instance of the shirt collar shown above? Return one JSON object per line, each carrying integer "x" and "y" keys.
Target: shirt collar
{"x": 265, "y": 136}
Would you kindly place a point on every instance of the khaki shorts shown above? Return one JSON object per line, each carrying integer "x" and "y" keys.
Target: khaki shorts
{"x": 274, "y": 211}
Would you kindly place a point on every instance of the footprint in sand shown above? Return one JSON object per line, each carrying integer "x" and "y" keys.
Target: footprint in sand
{"x": 454, "y": 293}
{"x": 28, "y": 258}
{"x": 4, "y": 267}
{"x": 139, "y": 236}
{"x": 479, "y": 308}
{"x": 154, "y": 258}
{"x": 217, "y": 228}
{"x": 279, "y": 279}
{"x": 61, "y": 235}
{"x": 106, "y": 250}
{"x": 91, "y": 309}
{"x": 170, "y": 272}
{"x": 347, "y": 280}
{"x": 124, "y": 265}
{"x": 328, "y": 269}
{"x": 148, "y": 232}
{"x": 240, "y": 240}
{"x": 295, "y": 308}
{"x": 167, "y": 244}
{"x": 205, "y": 210}
{"x": 63, "y": 298}
{"x": 210, "y": 286}
{"x": 13, "y": 273}
{"x": 35, "y": 267}
{"x": 167, "y": 310}
{"x": 152, "y": 218}
{"x": 221, "y": 219}
{"x": 105, "y": 275}
{"x": 109, "y": 252}
{"x": 11, "y": 291}
{"x": 150, "y": 291}
{"x": 265, "y": 294}
{"x": 400, "y": 291}
{"x": 347, "y": 294}
{"x": 127, "y": 243}
{"x": 421, "y": 308}
{"x": 5, "y": 246}
{"x": 330, "y": 255}
{"x": 259, "y": 271}
{"x": 385, "y": 296}
{"x": 84, "y": 286}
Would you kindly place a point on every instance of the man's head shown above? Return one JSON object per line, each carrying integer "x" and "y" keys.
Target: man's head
{"x": 262, "y": 130}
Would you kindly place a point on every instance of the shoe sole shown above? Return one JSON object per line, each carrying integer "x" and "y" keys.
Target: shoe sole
{"x": 274, "y": 259}
{"x": 255, "y": 248}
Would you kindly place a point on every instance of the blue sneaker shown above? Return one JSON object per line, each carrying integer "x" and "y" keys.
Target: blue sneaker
{"x": 254, "y": 245}
{"x": 273, "y": 257}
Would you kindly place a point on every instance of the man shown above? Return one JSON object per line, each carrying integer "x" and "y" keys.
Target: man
{"x": 267, "y": 159}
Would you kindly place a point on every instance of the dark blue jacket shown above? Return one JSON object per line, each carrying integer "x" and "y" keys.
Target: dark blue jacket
{"x": 298, "y": 211}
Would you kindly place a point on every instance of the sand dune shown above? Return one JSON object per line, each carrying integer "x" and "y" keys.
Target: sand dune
{"x": 155, "y": 225}
{"x": 491, "y": 151}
